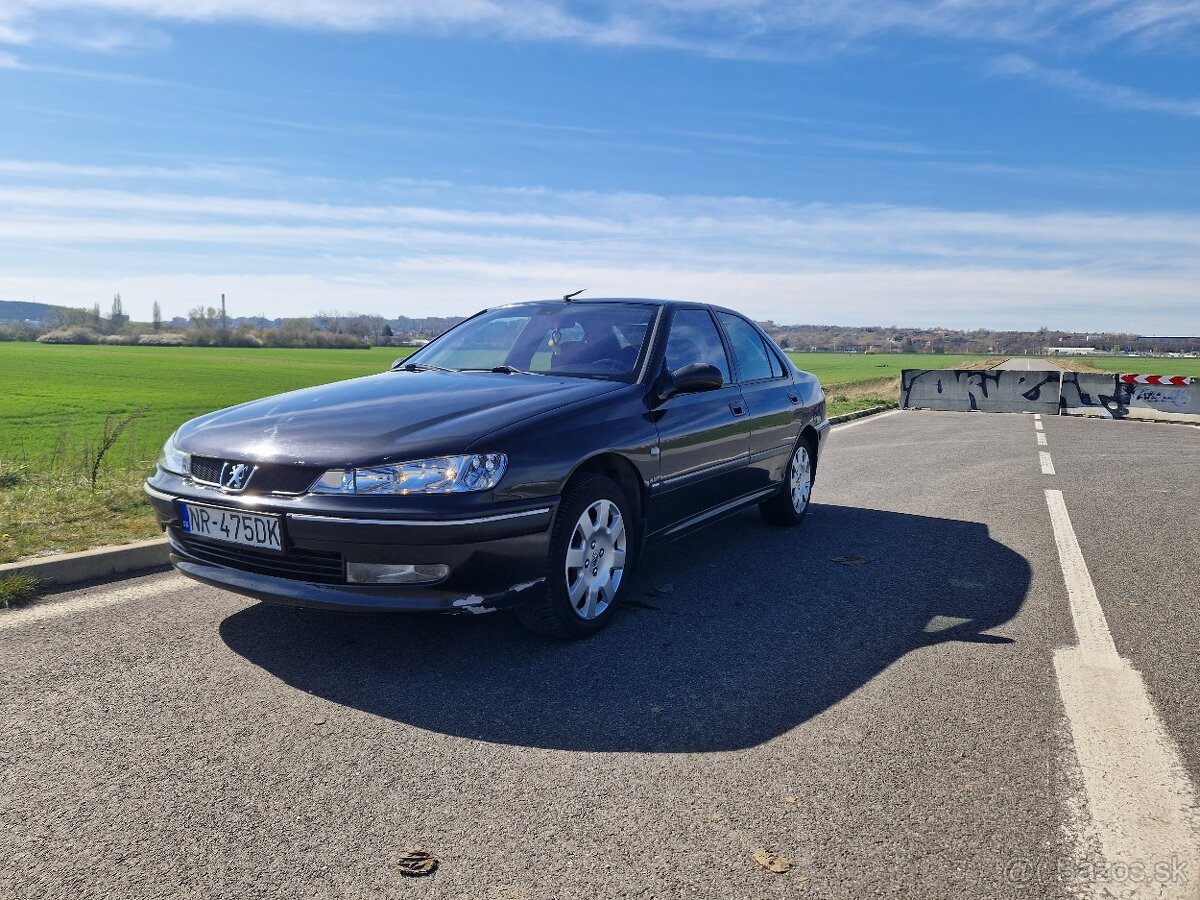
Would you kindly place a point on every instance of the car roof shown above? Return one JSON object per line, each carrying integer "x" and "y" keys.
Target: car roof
{"x": 648, "y": 301}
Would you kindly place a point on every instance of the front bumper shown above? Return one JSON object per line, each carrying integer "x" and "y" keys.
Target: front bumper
{"x": 497, "y": 554}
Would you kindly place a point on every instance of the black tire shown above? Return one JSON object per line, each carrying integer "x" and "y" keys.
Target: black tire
{"x": 786, "y": 508}
{"x": 553, "y": 613}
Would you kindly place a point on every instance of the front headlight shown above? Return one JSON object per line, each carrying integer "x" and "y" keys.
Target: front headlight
{"x": 172, "y": 459}
{"x": 444, "y": 475}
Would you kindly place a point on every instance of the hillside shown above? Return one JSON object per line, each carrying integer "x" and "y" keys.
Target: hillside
{"x": 23, "y": 310}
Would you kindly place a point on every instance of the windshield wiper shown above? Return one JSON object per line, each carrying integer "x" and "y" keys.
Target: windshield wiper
{"x": 504, "y": 370}
{"x": 421, "y": 367}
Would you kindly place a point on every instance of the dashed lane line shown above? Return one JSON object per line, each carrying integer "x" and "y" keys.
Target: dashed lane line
{"x": 1041, "y": 438}
{"x": 1141, "y": 804}
{"x": 1047, "y": 462}
{"x": 1037, "y": 426}
{"x": 99, "y": 599}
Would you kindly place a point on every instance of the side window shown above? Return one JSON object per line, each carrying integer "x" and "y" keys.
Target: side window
{"x": 752, "y": 360}
{"x": 777, "y": 369}
{"x": 695, "y": 339}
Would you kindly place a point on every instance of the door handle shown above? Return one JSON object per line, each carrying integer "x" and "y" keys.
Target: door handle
{"x": 737, "y": 409}
{"x": 795, "y": 398}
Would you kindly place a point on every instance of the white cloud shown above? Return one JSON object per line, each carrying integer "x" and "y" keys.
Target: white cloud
{"x": 750, "y": 28}
{"x": 1114, "y": 95}
{"x": 443, "y": 246}
{"x": 8, "y": 61}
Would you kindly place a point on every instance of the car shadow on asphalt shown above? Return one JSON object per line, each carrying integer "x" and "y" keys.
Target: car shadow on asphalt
{"x": 728, "y": 638}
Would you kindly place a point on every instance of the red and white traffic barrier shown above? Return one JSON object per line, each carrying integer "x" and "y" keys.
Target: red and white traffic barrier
{"x": 1178, "y": 380}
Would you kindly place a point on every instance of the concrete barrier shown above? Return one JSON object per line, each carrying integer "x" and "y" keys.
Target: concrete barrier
{"x": 986, "y": 390}
{"x": 1128, "y": 396}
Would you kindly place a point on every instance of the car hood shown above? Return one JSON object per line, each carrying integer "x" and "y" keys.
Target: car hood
{"x": 388, "y": 417}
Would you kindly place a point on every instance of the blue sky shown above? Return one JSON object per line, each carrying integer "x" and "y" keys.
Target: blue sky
{"x": 969, "y": 164}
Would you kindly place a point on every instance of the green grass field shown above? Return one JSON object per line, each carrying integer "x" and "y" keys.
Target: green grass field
{"x": 847, "y": 368}
{"x": 1142, "y": 365}
{"x": 57, "y": 397}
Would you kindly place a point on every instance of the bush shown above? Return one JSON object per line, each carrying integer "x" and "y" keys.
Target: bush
{"x": 19, "y": 332}
{"x": 314, "y": 340}
{"x": 216, "y": 337}
{"x": 163, "y": 339}
{"x": 116, "y": 339}
{"x": 76, "y": 334}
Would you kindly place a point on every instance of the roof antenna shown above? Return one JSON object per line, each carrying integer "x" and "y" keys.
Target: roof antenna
{"x": 568, "y": 297}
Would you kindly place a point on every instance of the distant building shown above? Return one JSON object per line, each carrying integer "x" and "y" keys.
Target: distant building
{"x": 1072, "y": 351}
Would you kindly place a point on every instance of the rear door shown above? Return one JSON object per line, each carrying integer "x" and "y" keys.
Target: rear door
{"x": 704, "y": 438}
{"x": 771, "y": 399}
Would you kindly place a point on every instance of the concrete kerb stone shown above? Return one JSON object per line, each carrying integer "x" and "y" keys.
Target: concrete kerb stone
{"x": 92, "y": 565}
{"x": 860, "y": 414}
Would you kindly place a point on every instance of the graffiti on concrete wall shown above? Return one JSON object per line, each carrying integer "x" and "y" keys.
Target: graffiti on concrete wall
{"x": 1177, "y": 397}
{"x": 989, "y": 390}
{"x": 1124, "y": 396}
{"x": 1097, "y": 395}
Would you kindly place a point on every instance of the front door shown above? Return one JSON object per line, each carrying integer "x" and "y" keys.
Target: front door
{"x": 704, "y": 438}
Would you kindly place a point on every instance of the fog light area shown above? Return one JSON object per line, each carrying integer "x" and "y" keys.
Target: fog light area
{"x": 381, "y": 573}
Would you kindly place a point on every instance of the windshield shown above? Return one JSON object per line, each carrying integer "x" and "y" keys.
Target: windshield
{"x": 598, "y": 340}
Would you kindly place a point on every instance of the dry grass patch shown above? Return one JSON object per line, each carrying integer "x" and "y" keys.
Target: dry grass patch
{"x": 42, "y": 514}
{"x": 841, "y": 399}
{"x": 16, "y": 587}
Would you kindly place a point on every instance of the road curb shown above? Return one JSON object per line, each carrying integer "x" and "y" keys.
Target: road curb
{"x": 92, "y": 565}
{"x": 861, "y": 414}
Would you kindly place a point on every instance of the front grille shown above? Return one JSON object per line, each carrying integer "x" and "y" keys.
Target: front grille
{"x": 268, "y": 478}
{"x": 313, "y": 566}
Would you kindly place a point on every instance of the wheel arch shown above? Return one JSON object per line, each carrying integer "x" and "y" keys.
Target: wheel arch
{"x": 809, "y": 435}
{"x": 625, "y": 474}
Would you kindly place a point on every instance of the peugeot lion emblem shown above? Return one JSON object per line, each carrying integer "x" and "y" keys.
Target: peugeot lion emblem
{"x": 235, "y": 476}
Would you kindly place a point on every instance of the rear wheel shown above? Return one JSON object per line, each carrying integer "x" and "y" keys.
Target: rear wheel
{"x": 589, "y": 549}
{"x": 791, "y": 503}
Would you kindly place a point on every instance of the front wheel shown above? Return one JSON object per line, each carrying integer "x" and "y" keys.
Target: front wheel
{"x": 791, "y": 503}
{"x": 589, "y": 550}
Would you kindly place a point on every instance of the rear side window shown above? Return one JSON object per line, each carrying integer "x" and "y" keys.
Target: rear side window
{"x": 753, "y": 361}
{"x": 777, "y": 368}
{"x": 694, "y": 339}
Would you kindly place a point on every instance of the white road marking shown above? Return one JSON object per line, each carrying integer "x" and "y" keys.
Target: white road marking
{"x": 1141, "y": 803}
{"x": 875, "y": 418}
{"x": 1090, "y": 625}
{"x": 1047, "y": 463}
{"x": 97, "y": 599}
{"x": 1037, "y": 426}
{"x": 1037, "y": 417}
{"x": 1041, "y": 439}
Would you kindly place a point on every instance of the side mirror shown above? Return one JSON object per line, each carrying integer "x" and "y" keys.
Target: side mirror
{"x": 690, "y": 379}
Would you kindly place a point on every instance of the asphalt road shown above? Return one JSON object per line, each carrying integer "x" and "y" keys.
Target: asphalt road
{"x": 1028, "y": 364}
{"x": 872, "y": 695}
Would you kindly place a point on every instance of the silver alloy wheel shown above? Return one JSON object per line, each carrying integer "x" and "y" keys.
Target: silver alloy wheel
{"x": 801, "y": 479}
{"x": 595, "y": 559}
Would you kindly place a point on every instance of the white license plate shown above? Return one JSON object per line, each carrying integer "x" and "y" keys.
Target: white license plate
{"x": 231, "y": 526}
